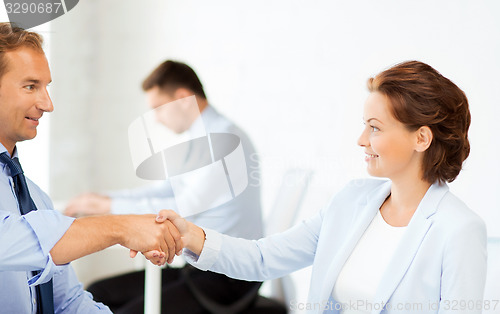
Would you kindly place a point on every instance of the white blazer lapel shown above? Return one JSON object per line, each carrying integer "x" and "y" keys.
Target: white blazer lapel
{"x": 373, "y": 202}
{"x": 410, "y": 243}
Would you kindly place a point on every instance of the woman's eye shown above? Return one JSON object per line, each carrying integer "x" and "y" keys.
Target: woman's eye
{"x": 375, "y": 129}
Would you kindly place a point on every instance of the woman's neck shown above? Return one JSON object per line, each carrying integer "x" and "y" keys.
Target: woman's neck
{"x": 399, "y": 207}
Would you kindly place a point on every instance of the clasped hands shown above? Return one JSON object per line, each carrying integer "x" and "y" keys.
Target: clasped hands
{"x": 159, "y": 238}
{"x": 175, "y": 234}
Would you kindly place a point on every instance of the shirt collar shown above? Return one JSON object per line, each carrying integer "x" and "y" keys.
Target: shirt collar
{"x": 202, "y": 123}
{"x": 3, "y": 166}
{"x": 3, "y": 150}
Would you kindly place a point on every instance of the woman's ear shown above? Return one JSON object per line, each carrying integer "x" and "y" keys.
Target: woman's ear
{"x": 424, "y": 138}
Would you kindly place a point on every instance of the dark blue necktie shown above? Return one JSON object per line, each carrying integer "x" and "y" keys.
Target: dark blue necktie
{"x": 44, "y": 293}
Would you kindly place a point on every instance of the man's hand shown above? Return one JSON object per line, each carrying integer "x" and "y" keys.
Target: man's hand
{"x": 137, "y": 232}
{"x": 162, "y": 239}
{"x": 88, "y": 204}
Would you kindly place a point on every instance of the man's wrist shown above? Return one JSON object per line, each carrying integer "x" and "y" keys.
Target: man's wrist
{"x": 118, "y": 226}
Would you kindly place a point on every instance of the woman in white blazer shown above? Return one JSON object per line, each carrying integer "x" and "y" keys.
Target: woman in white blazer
{"x": 401, "y": 245}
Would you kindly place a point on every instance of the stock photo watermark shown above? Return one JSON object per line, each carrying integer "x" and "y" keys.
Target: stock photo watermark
{"x": 365, "y": 305}
{"x": 31, "y": 13}
{"x": 200, "y": 160}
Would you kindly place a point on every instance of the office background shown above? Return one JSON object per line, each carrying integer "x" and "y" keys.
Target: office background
{"x": 291, "y": 73}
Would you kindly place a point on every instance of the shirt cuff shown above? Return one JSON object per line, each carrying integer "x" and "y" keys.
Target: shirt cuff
{"x": 210, "y": 252}
{"x": 45, "y": 275}
{"x": 49, "y": 226}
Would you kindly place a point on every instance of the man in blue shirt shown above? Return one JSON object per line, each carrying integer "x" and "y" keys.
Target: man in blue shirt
{"x": 38, "y": 245}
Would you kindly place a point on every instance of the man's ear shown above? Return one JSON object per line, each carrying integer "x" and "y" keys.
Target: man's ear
{"x": 424, "y": 138}
{"x": 186, "y": 104}
{"x": 182, "y": 92}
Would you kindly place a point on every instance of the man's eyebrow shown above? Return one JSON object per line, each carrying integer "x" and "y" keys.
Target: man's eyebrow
{"x": 33, "y": 81}
{"x": 30, "y": 80}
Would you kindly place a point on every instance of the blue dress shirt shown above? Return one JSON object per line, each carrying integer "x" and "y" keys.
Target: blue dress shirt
{"x": 25, "y": 246}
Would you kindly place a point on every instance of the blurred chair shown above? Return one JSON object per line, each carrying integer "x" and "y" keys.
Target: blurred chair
{"x": 283, "y": 216}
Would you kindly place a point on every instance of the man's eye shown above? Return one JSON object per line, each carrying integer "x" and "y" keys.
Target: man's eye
{"x": 30, "y": 87}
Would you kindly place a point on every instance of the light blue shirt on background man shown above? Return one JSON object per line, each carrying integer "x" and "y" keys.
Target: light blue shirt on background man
{"x": 240, "y": 217}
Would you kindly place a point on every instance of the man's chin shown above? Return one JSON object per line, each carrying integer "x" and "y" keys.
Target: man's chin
{"x": 27, "y": 137}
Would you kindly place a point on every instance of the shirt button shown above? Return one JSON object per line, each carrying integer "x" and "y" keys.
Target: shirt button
{"x": 34, "y": 301}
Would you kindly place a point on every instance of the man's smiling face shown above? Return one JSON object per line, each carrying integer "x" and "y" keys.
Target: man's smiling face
{"x": 23, "y": 95}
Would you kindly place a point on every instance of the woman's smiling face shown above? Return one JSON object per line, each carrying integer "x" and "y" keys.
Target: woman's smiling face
{"x": 389, "y": 146}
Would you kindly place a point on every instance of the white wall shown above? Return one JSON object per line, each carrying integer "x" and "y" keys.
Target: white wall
{"x": 101, "y": 52}
{"x": 291, "y": 73}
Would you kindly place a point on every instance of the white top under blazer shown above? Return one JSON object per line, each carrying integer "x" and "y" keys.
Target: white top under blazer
{"x": 358, "y": 280}
{"x": 439, "y": 263}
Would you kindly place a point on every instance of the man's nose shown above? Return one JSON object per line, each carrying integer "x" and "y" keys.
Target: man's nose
{"x": 45, "y": 102}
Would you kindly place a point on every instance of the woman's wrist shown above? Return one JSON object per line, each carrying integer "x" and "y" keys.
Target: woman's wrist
{"x": 196, "y": 239}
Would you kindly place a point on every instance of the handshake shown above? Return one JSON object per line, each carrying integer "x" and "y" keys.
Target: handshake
{"x": 159, "y": 238}
{"x": 161, "y": 242}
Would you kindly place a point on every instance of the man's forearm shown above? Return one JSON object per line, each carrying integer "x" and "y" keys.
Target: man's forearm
{"x": 137, "y": 232}
{"x": 85, "y": 236}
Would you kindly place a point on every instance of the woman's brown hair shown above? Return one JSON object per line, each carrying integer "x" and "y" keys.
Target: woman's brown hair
{"x": 421, "y": 96}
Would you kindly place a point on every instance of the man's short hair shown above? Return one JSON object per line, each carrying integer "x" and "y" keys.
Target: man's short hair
{"x": 171, "y": 75}
{"x": 12, "y": 38}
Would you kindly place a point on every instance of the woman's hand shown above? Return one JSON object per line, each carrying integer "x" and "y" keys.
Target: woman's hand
{"x": 167, "y": 254}
{"x": 193, "y": 237}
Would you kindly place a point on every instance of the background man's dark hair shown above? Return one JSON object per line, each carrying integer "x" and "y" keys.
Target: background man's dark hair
{"x": 171, "y": 75}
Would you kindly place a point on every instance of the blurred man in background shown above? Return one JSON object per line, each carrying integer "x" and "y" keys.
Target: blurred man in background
{"x": 184, "y": 290}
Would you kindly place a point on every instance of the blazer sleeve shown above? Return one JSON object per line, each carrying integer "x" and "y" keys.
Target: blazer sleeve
{"x": 464, "y": 269}
{"x": 259, "y": 260}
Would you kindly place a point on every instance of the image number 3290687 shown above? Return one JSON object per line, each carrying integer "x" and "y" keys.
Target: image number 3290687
{"x": 31, "y": 13}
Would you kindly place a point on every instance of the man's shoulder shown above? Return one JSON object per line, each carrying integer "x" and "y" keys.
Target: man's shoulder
{"x": 33, "y": 186}
{"x": 218, "y": 123}
{"x": 38, "y": 195}
{"x": 215, "y": 122}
